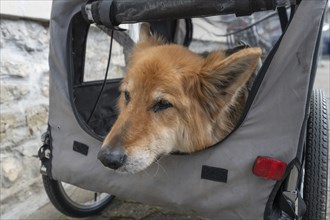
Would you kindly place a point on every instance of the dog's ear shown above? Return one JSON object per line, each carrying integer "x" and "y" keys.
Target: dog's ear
{"x": 225, "y": 75}
{"x": 145, "y": 32}
{"x": 221, "y": 77}
{"x": 146, "y": 38}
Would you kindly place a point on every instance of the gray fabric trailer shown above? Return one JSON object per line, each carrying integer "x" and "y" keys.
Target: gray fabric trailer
{"x": 273, "y": 125}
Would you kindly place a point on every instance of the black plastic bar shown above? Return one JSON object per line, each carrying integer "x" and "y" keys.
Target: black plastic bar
{"x": 284, "y": 20}
{"x": 111, "y": 13}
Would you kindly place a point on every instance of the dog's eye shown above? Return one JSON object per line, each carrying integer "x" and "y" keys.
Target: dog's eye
{"x": 161, "y": 105}
{"x": 127, "y": 97}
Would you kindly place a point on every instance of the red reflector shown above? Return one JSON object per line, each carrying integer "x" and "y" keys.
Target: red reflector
{"x": 269, "y": 168}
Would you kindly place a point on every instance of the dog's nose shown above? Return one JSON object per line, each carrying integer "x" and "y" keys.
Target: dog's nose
{"x": 113, "y": 158}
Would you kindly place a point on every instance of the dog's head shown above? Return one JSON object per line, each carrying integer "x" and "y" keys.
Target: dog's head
{"x": 173, "y": 100}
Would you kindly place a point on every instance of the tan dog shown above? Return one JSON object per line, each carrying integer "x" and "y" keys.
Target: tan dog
{"x": 175, "y": 100}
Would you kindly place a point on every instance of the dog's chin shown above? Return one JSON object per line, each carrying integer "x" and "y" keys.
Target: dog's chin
{"x": 124, "y": 170}
{"x": 127, "y": 171}
{"x": 135, "y": 165}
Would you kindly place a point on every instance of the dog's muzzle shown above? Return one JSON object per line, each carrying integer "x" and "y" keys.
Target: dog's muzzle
{"x": 113, "y": 158}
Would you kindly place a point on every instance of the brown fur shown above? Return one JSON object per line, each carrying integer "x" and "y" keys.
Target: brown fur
{"x": 207, "y": 97}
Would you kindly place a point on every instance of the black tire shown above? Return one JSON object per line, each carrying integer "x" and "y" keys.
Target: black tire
{"x": 316, "y": 161}
{"x": 66, "y": 205}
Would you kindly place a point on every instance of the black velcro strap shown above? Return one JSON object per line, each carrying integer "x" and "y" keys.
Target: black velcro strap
{"x": 214, "y": 173}
{"x": 284, "y": 20}
{"x": 80, "y": 148}
{"x": 95, "y": 12}
{"x": 287, "y": 207}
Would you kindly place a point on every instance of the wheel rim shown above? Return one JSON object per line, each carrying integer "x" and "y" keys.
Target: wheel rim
{"x": 83, "y": 199}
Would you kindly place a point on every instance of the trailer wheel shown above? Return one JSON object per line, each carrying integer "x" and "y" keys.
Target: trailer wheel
{"x": 74, "y": 201}
{"x": 316, "y": 161}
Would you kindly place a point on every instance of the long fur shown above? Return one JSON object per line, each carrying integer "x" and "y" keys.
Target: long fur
{"x": 201, "y": 99}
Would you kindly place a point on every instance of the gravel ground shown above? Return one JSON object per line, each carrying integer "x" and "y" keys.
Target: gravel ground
{"x": 125, "y": 210}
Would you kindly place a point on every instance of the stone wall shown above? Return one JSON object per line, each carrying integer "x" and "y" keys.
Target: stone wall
{"x": 24, "y": 95}
{"x": 24, "y": 108}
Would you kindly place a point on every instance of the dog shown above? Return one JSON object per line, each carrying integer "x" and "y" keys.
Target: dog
{"x": 174, "y": 100}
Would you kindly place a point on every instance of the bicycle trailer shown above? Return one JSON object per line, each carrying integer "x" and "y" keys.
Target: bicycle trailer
{"x": 283, "y": 128}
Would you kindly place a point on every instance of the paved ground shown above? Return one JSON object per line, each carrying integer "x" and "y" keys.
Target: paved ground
{"x": 121, "y": 210}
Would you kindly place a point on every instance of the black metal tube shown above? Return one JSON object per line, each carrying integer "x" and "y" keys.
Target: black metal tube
{"x": 128, "y": 11}
{"x": 139, "y": 10}
{"x": 115, "y": 12}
